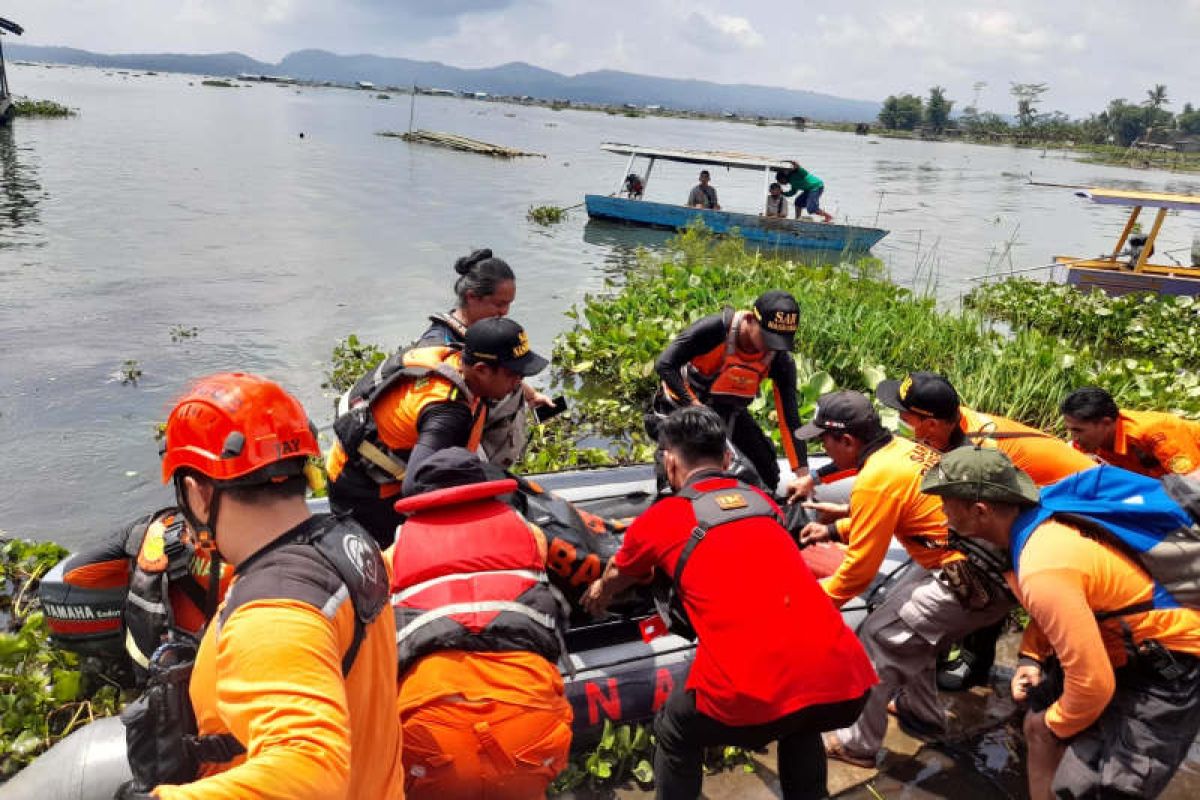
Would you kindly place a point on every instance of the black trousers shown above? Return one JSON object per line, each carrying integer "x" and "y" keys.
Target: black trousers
{"x": 683, "y": 732}
{"x": 754, "y": 444}
{"x": 1144, "y": 734}
{"x": 743, "y": 432}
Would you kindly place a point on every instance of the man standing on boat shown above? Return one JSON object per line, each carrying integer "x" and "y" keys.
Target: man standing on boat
{"x": 721, "y": 361}
{"x": 807, "y": 189}
{"x": 703, "y": 195}
{"x": 1149, "y": 442}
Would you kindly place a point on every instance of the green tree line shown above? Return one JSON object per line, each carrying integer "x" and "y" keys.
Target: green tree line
{"x": 1121, "y": 123}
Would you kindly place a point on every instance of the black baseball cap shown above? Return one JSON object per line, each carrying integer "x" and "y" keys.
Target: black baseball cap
{"x": 842, "y": 412}
{"x": 779, "y": 314}
{"x": 500, "y": 341}
{"x": 452, "y": 466}
{"x": 925, "y": 393}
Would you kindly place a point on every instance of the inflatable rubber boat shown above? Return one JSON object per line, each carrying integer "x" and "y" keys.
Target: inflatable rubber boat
{"x": 615, "y": 670}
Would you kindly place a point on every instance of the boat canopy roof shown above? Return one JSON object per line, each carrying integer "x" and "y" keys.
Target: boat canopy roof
{"x": 710, "y": 157}
{"x": 1129, "y": 199}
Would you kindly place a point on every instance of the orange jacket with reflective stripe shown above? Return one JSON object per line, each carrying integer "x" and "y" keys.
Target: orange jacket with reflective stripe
{"x": 727, "y": 371}
{"x": 398, "y": 410}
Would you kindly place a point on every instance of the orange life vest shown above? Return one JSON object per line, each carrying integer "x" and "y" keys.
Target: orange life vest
{"x": 400, "y": 388}
{"x": 725, "y": 372}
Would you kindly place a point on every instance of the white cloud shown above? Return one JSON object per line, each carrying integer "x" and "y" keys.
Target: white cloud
{"x": 1003, "y": 30}
{"x": 277, "y": 10}
{"x": 720, "y": 32}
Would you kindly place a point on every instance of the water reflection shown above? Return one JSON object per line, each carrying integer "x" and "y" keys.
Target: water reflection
{"x": 621, "y": 244}
{"x": 19, "y": 188}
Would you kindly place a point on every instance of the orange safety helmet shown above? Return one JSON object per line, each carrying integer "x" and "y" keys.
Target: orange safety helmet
{"x": 238, "y": 428}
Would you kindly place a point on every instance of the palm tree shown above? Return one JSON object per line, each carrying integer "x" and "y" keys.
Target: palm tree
{"x": 1156, "y": 98}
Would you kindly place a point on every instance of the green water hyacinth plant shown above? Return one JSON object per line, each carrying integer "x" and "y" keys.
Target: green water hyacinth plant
{"x": 26, "y": 107}
{"x": 45, "y": 693}
{"x": 1164, "y": 328}
{"x": 546, "y": 215}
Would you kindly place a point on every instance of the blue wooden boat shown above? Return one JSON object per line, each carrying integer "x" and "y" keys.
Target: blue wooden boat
{"x": 770, "y": 231}
{"x": 1128, "y": 268}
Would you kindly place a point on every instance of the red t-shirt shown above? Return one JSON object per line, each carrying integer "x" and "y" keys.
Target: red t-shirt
{"x": 770, "y": 640}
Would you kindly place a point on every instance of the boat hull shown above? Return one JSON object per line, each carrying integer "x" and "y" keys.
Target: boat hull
{"x": 771, "y": 231}
{"x": 1116, "y": 281}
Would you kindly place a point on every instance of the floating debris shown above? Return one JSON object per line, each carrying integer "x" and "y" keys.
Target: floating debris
{"x": 546, "y": 215}
{"x": 456, "y": 142}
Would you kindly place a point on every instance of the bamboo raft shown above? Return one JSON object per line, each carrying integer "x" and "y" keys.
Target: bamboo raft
{"x": 456, "y": 142}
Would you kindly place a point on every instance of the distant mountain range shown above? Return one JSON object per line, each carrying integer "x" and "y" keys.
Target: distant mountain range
{"x": 604, "y": 86}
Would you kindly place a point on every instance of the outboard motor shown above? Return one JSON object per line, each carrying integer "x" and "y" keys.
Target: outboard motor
{"x": 85, "y": 620}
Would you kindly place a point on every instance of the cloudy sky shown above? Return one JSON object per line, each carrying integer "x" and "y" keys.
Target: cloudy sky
{"x": 1088, "y": 51}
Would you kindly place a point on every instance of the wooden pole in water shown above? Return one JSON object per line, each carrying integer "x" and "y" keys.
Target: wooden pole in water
{"x": 3, "y": 75}
{"x": 412, "y": 107}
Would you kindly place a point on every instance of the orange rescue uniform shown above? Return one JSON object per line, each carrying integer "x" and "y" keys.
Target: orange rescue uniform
{"x": 272, "y": 676}
{"x": 1043, "y": 457}
{"x": 887, "y": 501}
{"x": 1065, "y": 577}
{"x": 1154, "y": 443}
{"x": 470, "y": 720}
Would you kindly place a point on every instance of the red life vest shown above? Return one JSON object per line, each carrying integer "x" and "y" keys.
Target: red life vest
{"x": 725, "y": 371}
{"x": 468, "y": 574}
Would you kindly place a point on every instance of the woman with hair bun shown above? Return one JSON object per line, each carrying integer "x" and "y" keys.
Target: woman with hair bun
{"x": 486, "y": 287}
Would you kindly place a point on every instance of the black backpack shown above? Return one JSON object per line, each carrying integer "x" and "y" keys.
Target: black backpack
{"x": 712, "y": 508}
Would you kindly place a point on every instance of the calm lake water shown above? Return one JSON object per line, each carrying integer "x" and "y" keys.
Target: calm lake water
{"x": 166, "y": 205}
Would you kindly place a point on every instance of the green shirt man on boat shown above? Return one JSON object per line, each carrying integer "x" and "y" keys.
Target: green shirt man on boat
{"x": 807, "y": 188}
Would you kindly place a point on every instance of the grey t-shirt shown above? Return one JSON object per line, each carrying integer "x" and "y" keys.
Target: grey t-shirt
{"x": 704, "y": 196}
